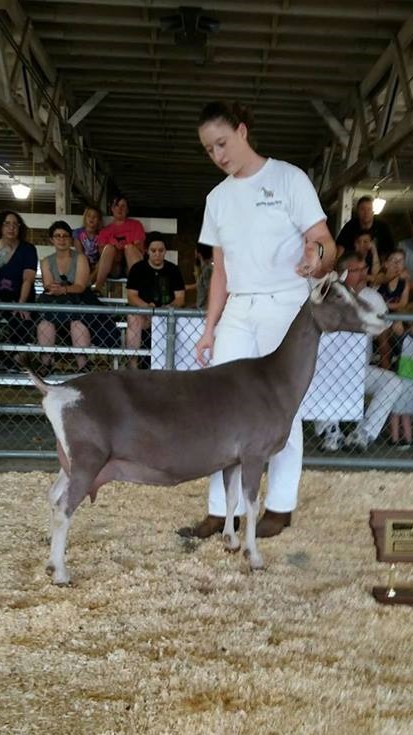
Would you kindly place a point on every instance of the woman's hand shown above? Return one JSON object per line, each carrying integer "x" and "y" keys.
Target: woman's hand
{"x": 56, "y": 289}
{"x": 25, "y": 315}
{"x": 205, "y": 343}
{"x": 310, "y": 264}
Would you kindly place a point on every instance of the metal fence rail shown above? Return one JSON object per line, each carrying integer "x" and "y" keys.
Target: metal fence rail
{"x": 26, "y": 434}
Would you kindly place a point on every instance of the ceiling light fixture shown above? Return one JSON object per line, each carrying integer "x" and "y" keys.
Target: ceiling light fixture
{"x": 20, "y": 191}
{"x": 189, "y": 26}
{"x": 378, "y": 204}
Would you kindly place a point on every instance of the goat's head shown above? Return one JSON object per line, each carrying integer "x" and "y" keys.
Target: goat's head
{"x": 337, "y": 308}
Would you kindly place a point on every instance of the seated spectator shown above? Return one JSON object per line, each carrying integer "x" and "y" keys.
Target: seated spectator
{"x": 86, "y": 239}
{"x": 18, "y": 266}
{"x": 65, "y": 276}
{"x": 394, "y": 289}
{"x": 366, "y": 220}
{"x": 153, "y": 282}
{"x": 204, "y": 266}
{"x": 400, "y": 420}
{"x": 365, "y": 245}
{"x": 382, "y": 386}
{"x": 121, "y": 244}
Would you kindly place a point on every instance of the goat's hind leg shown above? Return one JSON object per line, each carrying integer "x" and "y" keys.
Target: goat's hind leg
{"x": 60, "y": 522}
{"x": 231, "y": 476}
{"x": 251, "y": 474}
{"x": 65, "y": 496}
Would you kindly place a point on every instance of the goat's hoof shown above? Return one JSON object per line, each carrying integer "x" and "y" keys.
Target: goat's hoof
{"x": 255, "y": 560}
{"x": 62, "y": 579}
{"x": 50, "y": 569}
{"x": 231, "y": 543}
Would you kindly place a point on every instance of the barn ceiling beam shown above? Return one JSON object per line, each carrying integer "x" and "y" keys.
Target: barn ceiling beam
{"x": 33, "y": 108}
{"x": 386, "y": 90}
{"x": 386, "y": 60}
{"x": 87, "y": 107}
{"x": 383, "y": 148}
{"x": 382, "y": 11}
{"x": 333, "y": 123}
{"x": 18, "y": 18}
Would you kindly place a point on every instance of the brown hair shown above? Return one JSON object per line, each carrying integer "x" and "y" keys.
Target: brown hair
{"x": 22, "y": 226}
{"x": 232, "y": 113}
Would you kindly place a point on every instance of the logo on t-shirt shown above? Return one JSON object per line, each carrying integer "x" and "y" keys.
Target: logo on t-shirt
{"x": 268, "y": 200}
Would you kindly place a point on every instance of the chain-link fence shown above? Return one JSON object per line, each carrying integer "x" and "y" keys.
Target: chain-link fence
{"x": 357, "y": 412}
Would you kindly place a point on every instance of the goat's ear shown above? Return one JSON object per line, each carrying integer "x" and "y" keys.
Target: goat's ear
{"x": 343, "y": 276}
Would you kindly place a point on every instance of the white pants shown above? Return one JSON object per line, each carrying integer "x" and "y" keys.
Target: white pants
{"x": 384, "y": 389}
{"x": 253, "y": 325}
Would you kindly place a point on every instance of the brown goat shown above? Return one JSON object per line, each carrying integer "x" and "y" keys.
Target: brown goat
{"x": 122, "y": 425}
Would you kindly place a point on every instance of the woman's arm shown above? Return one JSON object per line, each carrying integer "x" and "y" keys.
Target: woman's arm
{"x": 375, "y": 264}
{"x": 78, "y": 246}
{"x": 29, "y": 276}
{"x": 81, "y": 276}
{"x": 135, "y": 300}
{"x": 179, "y": 299}
{"x": 47, "y": 277}
{"x": 403, "y": 300}
{"x": 218, "y": 295}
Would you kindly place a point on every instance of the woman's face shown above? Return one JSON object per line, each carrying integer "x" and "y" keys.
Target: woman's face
{"x": 91, "y": 220}
{"x": 363, "y": 244}
{"x": 10, "y": 228}
{"x": 61, "y": 240}
{"x": 120, "y": 210}
{"x": 395, "y": 264}
{"x": 225, "y": 146}
{"x": 156, "y": 254}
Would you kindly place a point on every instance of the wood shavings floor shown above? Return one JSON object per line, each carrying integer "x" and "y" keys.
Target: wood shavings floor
{"x": 163, "y": 636}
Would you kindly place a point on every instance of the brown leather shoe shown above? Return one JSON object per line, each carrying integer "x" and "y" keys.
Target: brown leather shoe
{"x": 272, "y": 523}
{"x": 207, "y": 527}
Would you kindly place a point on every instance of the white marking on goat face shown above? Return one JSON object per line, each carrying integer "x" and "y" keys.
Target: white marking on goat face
{"x": 54, "y": 404}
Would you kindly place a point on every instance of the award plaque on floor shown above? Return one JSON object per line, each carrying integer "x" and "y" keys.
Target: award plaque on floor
{"x": 393, "y": 537}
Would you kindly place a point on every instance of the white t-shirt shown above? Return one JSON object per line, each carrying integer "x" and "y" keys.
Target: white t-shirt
{"x": 259, "y": 222}
{"x": 372, "y": 297}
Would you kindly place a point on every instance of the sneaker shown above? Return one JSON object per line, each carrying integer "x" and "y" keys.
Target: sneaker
{"x": 333, "y": 439}
{"x": 321, "y": 426}
{"x": 403, "y": 445}
{"x": 357, "y": 439}
{"x": 392, "y": 442}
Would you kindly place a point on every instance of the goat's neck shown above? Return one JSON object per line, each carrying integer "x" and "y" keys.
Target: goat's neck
{"x": 293, "y": 362}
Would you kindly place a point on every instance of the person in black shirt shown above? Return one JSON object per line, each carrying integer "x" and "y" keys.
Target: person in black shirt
{"x": 18, "y": 266}
{"x": 153, "y": 282}
{"x": 365, "y": 221}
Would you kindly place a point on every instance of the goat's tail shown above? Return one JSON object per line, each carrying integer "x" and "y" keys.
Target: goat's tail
{"x": 28, "y": 367}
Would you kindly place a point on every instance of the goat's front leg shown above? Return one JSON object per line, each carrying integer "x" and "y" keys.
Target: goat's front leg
{"x": 60, "y": 523}
{"x": 231, "y": 476}
{"x": 251, "y": 477}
